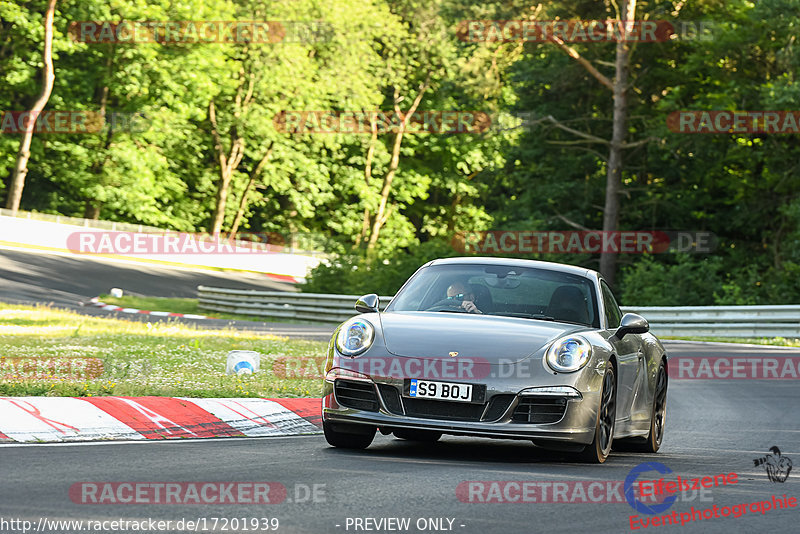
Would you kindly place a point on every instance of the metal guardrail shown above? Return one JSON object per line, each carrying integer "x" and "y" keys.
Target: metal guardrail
{"x": 716, "y": 321}
{"x": 722, "y": 321}
{"x": 76, "y": 221}
{"x": 311, "y": 307}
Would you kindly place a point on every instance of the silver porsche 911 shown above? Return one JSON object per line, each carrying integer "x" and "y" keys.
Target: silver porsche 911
{"x": 498, "y": 348}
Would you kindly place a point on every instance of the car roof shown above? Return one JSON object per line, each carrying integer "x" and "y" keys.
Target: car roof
{"x": 517, "y": 262}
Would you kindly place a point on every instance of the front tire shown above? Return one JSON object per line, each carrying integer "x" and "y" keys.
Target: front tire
{"x": 348, "y": 436}
{"x": 597, "y": 451}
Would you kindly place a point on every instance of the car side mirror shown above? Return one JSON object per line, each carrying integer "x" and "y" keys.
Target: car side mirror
{"x": 632, "y": 323}
{"x": 368, "y": 303}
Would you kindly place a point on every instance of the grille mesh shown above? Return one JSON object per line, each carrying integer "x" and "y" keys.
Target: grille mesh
{"x": 540, "y": 410}
{"x": 357, "y": 395}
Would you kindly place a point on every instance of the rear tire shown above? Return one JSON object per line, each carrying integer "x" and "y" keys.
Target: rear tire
{"x": 348, "y": 436}
{"x": 426, "y": 436}
{"x": 597, "y": 451}
{"x": 658, "y": 417}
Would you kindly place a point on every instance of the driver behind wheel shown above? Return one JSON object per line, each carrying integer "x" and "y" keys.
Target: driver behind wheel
{"x": 460, "y": 295}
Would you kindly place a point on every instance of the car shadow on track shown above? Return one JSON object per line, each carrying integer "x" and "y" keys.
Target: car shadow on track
{"x": 460, "y": 450}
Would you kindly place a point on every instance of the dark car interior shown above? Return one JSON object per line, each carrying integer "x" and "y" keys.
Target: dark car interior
{"x": 521, "y": 292}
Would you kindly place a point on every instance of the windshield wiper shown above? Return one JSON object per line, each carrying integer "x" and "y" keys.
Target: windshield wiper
{"x": 541, "y": 317}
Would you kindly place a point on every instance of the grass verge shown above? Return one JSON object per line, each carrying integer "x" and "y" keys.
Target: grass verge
{"x": 51, "y": 352}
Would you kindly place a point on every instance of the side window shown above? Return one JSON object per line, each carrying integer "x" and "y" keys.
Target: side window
{"x": 613, "y": 313}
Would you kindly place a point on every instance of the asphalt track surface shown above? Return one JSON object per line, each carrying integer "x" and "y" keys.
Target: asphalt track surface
{"x": 66, "y": 281}
{"x": 713, "y": 427}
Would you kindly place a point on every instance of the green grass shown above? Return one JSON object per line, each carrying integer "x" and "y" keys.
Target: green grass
{"x": 777, "y": 341}
{"x": 168, "y": 359}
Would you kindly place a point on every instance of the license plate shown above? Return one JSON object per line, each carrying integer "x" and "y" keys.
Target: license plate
{"x": 427, "y": 389}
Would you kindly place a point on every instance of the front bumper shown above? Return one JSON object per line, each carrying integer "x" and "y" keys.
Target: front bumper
{"x": 506, "y": 413}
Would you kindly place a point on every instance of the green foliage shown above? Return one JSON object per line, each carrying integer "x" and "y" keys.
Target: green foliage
{"x": 522, "y": 174}
{"x": 687, "y": 281}
{"x": 352, "y": 274}
{"x": 773, "y": 285}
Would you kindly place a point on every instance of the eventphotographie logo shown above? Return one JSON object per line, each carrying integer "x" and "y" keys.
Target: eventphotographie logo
{"x": 631, "y": 484}
{"x": 776, "y": 465}
{"x": 667, "y": 492}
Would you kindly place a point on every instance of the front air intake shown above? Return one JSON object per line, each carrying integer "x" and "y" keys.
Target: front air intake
{"x": 540, "y": 409}
{"x": 355, "y": 394}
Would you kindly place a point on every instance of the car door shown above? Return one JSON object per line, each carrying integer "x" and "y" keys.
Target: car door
{"x": 630, "y": 361}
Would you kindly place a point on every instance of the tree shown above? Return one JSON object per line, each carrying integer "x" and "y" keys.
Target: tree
{"x": 48, "y": 79}
{"x": 381, "y": 214}
{"x": 626, "y": 16}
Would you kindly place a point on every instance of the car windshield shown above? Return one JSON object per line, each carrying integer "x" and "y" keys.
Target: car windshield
{"x": 503, "y": 290}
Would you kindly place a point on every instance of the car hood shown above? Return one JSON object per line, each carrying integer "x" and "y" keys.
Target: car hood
{"x": 434, "y": 335}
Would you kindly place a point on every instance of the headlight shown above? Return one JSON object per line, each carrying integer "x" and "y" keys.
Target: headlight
{"x": 355, "y": 336}
{"x": 568, "y": 354}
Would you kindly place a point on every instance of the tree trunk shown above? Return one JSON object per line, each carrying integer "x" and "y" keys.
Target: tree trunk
{"x": 93, "y": 206}
{"x": 48, "y": 79}
{"x": 91, "y": 210}
{"x": 223, "y": 184}
{"x": 227, "y": 165}
{"x": 382, "y": 215}
{"x": 608, "y": 259}
{"x": 365, "y": 223}
{"x": 250, "y": 182}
